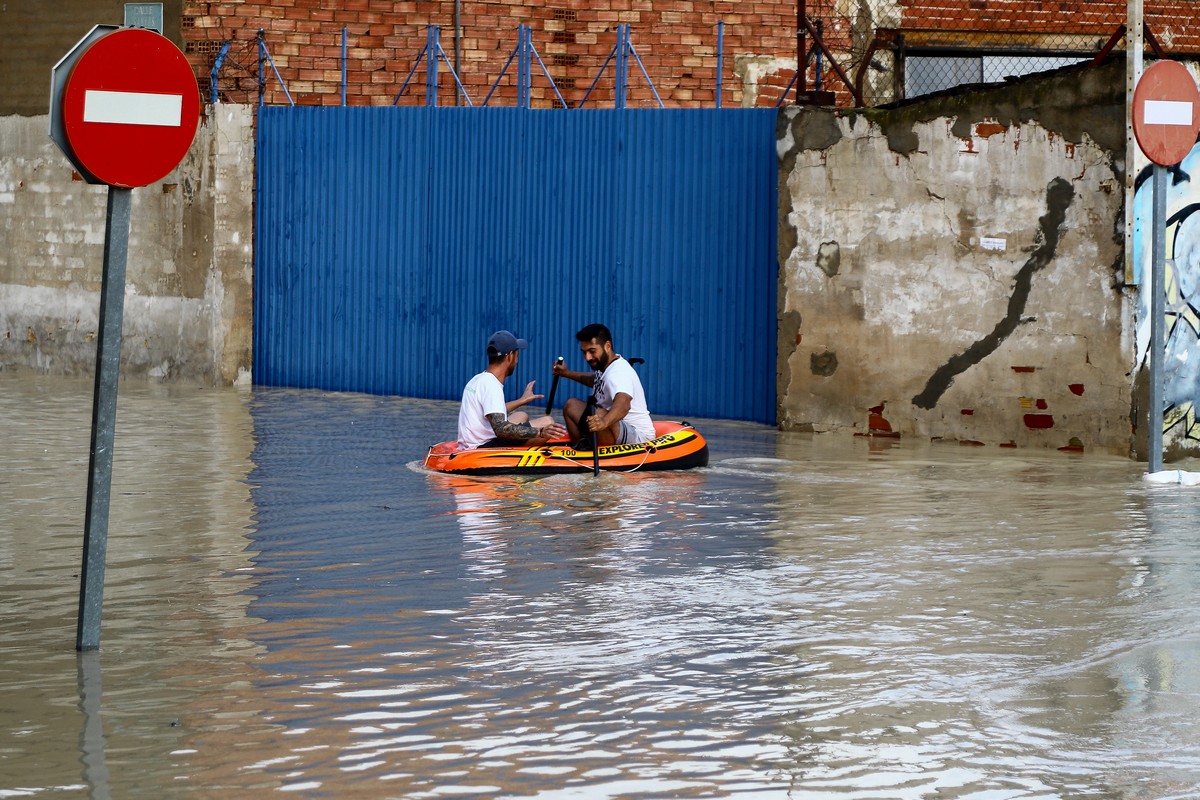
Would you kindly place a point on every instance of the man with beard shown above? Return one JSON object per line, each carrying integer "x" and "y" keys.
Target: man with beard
{"x": 485, "y": 419}
{"x": 620, "y": 415}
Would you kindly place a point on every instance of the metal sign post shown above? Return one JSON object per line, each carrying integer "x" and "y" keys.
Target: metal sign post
{"x": 124, "y": 108}
{"x": 104, "y": 418}
{"x": 1157, "y": 306}
{"x": 1165, "y": 122}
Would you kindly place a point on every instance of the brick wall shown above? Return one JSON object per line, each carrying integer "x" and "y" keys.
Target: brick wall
{"x": 1172, "y": 22}
{"x": 676, "y": 41}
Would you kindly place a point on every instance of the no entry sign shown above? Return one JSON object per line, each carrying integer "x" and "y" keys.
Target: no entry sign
{"x": 1166, "y": 112}
{"x": 125, "y": 105}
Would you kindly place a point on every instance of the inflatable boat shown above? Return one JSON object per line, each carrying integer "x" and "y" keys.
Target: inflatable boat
{"x": 676, "y": 445}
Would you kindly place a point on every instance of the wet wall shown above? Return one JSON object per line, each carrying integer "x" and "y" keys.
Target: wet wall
{"x": 188, "y": 302}
{"x": 953, "y": 267}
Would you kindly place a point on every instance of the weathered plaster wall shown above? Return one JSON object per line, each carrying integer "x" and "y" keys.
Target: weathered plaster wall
{"x": 957, "y": 262}
{"x": 188, "y": 284}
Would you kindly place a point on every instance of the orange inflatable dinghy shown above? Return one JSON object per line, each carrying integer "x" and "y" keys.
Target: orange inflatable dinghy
{"x": 676, "y": 445}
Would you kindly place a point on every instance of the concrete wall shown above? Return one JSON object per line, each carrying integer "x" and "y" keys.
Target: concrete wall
{"x": 952, "y": 268}
{"x": 188, "y": 289}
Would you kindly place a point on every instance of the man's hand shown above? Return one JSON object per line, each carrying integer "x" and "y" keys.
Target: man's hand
{"x": 548, "y": 429}
{"x": 586, "y": 378}
{"x": 553, "y": 431}
{"x": 528, "y": 396}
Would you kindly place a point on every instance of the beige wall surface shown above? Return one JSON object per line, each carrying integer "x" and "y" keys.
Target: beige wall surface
{"x": 952, "y": 268}
{"x": 188, "y": 277}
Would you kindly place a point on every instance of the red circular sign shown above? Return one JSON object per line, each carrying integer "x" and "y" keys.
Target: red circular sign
{"x": 1166, "y": 112}
{"x": 130, "y": 107}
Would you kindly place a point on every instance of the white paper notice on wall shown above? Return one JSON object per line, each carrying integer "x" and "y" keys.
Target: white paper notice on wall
{"x": 991, "y": 243}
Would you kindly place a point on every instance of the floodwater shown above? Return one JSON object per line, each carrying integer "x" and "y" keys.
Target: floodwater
{"x": 294, "y": 606}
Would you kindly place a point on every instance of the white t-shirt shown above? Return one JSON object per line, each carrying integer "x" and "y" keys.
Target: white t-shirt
{"x": 619, "y": 377}
{"x": 483, "y": 395}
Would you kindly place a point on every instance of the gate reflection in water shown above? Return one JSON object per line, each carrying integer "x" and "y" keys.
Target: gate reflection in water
{"x": 810, "y": 616}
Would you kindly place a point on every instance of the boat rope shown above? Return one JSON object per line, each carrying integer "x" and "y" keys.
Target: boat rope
{"x": 646, "y": 453}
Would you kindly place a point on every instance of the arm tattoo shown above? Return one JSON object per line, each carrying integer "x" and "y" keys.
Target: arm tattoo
{"x": 511, "y": 430}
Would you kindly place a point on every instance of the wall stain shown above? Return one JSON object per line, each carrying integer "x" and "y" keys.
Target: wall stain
{"x": 829, "y": 258}
{"x": 1059, "y": 196}
{"x": 823, "y": 364}
{"x": 809, "y": 129}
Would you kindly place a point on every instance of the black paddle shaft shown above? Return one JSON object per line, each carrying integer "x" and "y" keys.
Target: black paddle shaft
{"x": 553, "y": 388}
{"x": 588, "y": 412}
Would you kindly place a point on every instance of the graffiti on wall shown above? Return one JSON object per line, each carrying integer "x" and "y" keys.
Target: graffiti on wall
{"x": 1181, "y": 362}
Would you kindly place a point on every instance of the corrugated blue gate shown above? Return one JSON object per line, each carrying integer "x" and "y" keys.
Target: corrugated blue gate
{"x": 390, "y": 242}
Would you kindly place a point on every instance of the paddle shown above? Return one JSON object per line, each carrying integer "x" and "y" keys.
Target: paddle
{"x": 553, "y": 387}
{"x": 595, "y": 455}
{"x": 587, "y": 414}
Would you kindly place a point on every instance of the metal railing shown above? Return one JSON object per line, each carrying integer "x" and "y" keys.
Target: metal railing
{"x": 432, "y": 56}
{"x": 918, "y": 47}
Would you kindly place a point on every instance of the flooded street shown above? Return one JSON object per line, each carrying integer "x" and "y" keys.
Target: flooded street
{"x": 294, "y": 605}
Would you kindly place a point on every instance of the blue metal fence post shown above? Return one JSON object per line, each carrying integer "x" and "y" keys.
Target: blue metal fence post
{"x": 523, "y": 72}
{"x": 213, "y": 96}
{"x": 720, "y": 57}
{"x": 431, "y": 66}
{"x": 622, "y": 73}
{"x": 343, "y": 65}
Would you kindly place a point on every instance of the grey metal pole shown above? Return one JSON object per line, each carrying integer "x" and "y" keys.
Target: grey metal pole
{"x": 104, "y": 418}
{"x": 1157, "y": 310}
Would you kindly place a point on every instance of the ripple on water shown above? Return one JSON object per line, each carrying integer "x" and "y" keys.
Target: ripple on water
{"x": 294, "y": 605}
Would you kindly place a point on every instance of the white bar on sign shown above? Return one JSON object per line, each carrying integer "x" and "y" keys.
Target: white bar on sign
{"x": 133, "y": 108}
{"x": 992, "y": 243}
{"x": 1168, "y": 112}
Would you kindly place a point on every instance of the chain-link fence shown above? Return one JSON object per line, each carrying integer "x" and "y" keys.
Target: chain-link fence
{"x": 923, "y": 46}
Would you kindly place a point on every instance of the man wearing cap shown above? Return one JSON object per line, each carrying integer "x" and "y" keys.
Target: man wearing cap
{"x": 484, "y": 418}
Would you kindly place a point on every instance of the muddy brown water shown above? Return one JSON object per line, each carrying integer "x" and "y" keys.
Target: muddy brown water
{"x": 294, "y": 606}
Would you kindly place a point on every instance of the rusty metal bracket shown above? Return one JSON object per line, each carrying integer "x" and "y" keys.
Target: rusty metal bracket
{"x": 849, "y": 84}
{"x": 1119, "y": 34}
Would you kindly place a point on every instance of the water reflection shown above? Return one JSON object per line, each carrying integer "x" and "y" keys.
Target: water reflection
{"x": 91, "y": 739}
{"x": 174, "y": 612}
{"x": 809, "y": 616}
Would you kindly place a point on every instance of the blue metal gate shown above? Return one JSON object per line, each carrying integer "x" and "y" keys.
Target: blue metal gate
{"x": 390, "y": 242}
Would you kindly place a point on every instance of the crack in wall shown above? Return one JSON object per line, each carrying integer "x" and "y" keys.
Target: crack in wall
{"x": 1059, "y": 196}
